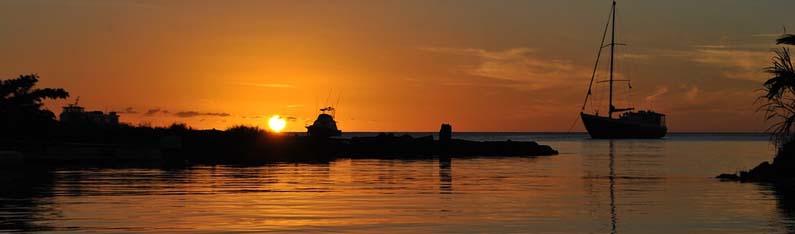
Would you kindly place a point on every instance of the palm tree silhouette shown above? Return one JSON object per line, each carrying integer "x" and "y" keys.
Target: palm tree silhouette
{"x": 779, "y": 95}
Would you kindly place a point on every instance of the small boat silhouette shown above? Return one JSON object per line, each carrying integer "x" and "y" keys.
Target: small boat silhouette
{"x": 324, "y": 125}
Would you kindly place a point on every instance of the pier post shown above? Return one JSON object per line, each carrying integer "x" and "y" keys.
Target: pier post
{"x": 445, "y": 136}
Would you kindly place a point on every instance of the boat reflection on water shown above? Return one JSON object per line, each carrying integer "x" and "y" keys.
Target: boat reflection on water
{"x": 612, "y": 178}
{"x": 445, "y": 175}
{"x": 596, "y": 186}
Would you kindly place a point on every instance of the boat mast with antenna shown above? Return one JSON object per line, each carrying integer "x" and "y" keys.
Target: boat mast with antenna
{"x": 612, "y": 51}
{"x": 642, "y": 124}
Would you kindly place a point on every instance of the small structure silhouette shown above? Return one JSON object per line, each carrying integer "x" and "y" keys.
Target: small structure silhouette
{"x": 324, "y": 126}
{"x": 75, "y": 114}
{"x": 445, "y": 137}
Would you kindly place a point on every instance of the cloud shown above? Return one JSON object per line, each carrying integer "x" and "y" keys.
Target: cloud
{"x": 737, "y": 59}
{"x": 497, "y": 55}
{"x": 657, "y": 93}
{"x": 128, "y": 110}
{"x": 114, "y": 4}
{"x": 735, "y": 64}
{"x": 692, "y": 98}
{"x": 708, "y": 47}
{"x": 191, "y": 114}
{"x": 768, "y": 35}
{"x": 151, "y": 112}
{"x": 514, "y": 67}
{"x": 266, "y": 85}
{"x": 692, "y": 93}
{"x": 633, "y": 56}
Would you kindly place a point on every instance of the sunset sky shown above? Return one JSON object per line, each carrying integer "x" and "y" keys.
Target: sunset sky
{"x": 394, "y": 65}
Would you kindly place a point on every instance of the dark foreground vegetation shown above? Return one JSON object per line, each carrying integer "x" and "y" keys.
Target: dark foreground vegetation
{"x": 778, "y": 104}
{"x": 31, "y": 134}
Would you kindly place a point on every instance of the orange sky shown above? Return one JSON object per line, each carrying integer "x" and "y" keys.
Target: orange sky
{"x": 397, "y": 65}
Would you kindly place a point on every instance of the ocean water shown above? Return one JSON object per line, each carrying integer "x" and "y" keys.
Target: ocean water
{"x": 593, "y": 186}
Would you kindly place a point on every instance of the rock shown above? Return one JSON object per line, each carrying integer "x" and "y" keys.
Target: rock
{"x": 763, "y": 172}
{"x": 732, "y": 177}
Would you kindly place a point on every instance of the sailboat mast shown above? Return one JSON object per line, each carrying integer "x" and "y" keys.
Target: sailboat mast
{"x": 598, "y": 56}
{"x": 612, "y": 51}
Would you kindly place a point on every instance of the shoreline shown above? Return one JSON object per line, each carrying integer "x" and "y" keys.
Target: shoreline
{"x": 217, "y": 148}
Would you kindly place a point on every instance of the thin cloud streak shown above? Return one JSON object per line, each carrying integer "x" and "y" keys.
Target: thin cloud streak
{"x": 191, "y": 114}
{"x": 738, "y": 64}
{"x": 266, "y": 85}
{"x": 128, "y": 110}
{"x": 516, "y": 67}
{"x": 151, "y": 112}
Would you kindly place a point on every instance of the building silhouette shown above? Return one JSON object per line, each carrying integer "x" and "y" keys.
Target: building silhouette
{"x": 74, "y": 114}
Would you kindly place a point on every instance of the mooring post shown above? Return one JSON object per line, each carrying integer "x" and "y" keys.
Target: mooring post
{"x": 445, "y": 136}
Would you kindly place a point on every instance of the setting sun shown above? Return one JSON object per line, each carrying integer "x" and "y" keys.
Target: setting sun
{"x": 680, "y": 120}
{"x": 276, "y": 123}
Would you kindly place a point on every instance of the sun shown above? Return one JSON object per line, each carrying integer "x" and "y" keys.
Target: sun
{"x": 276, "y": 123}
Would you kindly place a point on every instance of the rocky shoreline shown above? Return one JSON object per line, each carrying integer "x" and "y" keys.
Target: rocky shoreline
{"x": 782, "y": 170}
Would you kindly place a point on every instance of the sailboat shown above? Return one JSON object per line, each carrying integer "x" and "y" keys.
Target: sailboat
{"x": 630, "y": 123}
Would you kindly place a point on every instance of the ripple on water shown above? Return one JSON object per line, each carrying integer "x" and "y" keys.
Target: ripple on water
{"x": 644, "y": 186}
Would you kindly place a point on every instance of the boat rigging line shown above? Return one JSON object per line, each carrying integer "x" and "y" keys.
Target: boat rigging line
{"x": 598, "y": 56}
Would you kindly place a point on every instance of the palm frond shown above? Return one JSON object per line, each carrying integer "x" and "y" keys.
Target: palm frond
{"x": 783, "y": 79}
{"x": 779, "y": 94}
{"x": 787, "y": 39}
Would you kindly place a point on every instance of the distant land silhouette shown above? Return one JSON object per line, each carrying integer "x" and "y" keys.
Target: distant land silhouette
{"x": 31, "y": 134}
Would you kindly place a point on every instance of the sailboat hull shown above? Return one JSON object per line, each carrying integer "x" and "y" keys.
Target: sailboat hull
{"x": 607, "y": 128}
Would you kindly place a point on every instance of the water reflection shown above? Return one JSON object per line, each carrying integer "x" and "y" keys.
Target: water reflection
{"x": 613, "y": 215}
{"x": 785, "y": 203}
{"x": 622, "y": 179}
{"x": 445, "y": 175}
{"x": 620, "y": 186}
{"x": 26, "y": 199}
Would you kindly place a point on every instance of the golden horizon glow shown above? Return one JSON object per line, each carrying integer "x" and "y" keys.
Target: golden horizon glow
{"x": 277, "y": 123}
{"x": 518, "y": 66}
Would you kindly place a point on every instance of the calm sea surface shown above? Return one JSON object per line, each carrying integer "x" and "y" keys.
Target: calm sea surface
{"x": 593, "y": 186}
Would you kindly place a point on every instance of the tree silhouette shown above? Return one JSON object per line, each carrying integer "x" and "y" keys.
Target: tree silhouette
{"x": 779, "y": 96}
{"x": 787, "y": 39}
{"x": 21, "y": 105}
{"x": 779, "y": 107}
